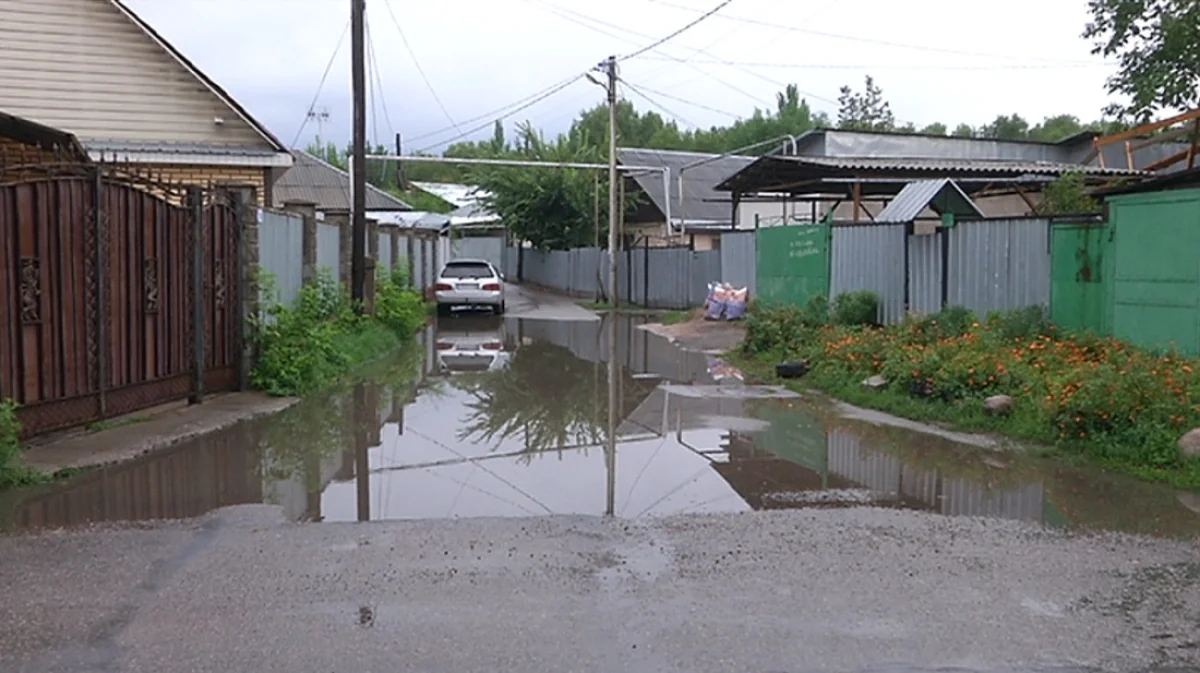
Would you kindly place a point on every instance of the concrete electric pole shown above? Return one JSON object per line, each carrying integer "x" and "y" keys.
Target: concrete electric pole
{"x": 358, "y": 182}
{"x": 614, "y": 206}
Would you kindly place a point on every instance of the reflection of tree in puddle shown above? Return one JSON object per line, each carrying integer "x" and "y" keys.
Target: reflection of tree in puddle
{"x": 546, "y": 394}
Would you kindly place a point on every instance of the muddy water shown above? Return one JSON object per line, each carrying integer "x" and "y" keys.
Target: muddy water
{"x": 510, "y": 418}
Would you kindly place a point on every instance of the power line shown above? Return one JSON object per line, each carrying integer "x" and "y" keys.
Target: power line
{"x": 321, "y": 85}
{"x": 855, "y": 38}
{"x": 428, "y": 85}
{"x": 530, "y": 103}
{"x": 886, "y": 66}
{"x": 670, "y": 36}
{"x": 694, "y": 104}
{"x": 564, "y": 13}
{"x": 660, "y": 106}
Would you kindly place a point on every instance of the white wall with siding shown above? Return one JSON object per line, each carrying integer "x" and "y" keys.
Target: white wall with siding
{"x": 84, "y": 67}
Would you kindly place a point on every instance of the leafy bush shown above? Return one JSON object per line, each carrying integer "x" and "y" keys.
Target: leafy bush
{"x": 1115, "y": 402}
{"x": 304, "y": 347}
{"x": 773, "y": 328}
{"x": 13, "y": 471}
{"x": 856, "y": 308}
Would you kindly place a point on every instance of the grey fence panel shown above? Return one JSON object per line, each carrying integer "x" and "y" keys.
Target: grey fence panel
{"x": 511, "y": 261}
{"x": 738, "y": 260}
{"x": 281, "y": 252}
{"x": 871, "y": 257}
{"x": 706, "y": 267}
{"x": 329, "y": 248}
{"x": 999, "y": 265}
{"x": 419, "y": 271}
{"x": 490, "y": 248}
{"x": 925, "y": 273}
{"x": 385, "y": 252}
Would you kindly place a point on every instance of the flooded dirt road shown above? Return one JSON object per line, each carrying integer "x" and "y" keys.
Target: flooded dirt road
{"x": 485, "y": 459}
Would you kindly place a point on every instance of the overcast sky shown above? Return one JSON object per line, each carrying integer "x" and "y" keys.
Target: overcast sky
{"x": 935, "y": 59}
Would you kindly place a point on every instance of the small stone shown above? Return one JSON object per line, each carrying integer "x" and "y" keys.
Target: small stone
{"x": 876, "y": 382}
{"x": 1189, "y": 444}
{"x": 998, "y": 405}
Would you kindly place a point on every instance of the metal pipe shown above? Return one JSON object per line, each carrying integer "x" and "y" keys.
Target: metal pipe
{"x": 511, "y": 162}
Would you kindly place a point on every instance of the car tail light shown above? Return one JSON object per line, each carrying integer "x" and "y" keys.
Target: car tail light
{"x": 492, "y": 287}
{"x": 444, "y": 345}
{"x": 493, "y": 346}
{"x": 442, "y": 287}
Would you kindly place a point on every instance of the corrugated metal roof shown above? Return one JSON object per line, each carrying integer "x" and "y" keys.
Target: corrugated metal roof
{"x": 698, "y": 181}
{"x": 954, "y": 165}
{"x": 311, "y": 179}
{"x": 413, "y": 219}
{"x": 455, "y": 194}
{"x": 942, "y": 195}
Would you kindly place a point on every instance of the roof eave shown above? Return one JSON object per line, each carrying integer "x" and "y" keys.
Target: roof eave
{"x": 277, "y": 160}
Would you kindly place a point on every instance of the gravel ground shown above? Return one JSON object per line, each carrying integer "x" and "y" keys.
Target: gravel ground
{"x": 809, "y": 590}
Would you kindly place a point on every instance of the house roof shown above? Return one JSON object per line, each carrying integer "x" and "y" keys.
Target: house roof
{"x": 41, "y": 136}
{"x": 455, "y": 194}
{"x": 700, "y": 172}
{"x": 311, "y": 179}
{"x": 1185, "y": 179}
{"x": 941, "y": 195}
{"x": 199, "y": 75}
{"x": 801, "y": 173}
{"x": 413, "y": 219}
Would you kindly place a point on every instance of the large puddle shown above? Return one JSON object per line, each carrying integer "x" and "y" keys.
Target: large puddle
{"x": 493, "y": 417}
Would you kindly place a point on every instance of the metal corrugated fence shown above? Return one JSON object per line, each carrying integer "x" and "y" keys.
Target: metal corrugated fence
{"x": 871, "y": 257}
{"x": 281, "y": 252}
{"x": 737, "y": 260}
{"x": 925, "y": 272}
{"x": 329, "y": 242}
{"x": 999, "y": 265}
{"x": 385, "y": 252}
{"x": 490, "y": 248}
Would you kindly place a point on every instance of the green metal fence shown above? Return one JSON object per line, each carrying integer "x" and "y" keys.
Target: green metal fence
{"x": 792, "y": 264}
{"x": 1078, "y": 277}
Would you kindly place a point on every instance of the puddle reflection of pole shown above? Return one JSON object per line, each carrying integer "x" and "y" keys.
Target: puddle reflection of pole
{"x": 610, "y": 454}
{"x": 362, "y": 466}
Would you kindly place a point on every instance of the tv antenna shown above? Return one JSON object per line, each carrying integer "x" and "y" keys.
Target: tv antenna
{"x": 320, "y": 115}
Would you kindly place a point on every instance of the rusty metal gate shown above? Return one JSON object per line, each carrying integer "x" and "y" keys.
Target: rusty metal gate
{"x": 116, "y": 293}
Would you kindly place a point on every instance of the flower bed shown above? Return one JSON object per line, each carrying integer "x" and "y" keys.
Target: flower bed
{"x": 1099, "y": 397}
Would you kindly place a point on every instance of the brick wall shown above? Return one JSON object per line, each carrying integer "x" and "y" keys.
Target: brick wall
{"x": 13, "y": 153}
{"x": 209, "y": 176}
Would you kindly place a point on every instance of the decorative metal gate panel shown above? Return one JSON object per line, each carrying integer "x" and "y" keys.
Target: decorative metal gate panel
{"x": 97, "y": 300}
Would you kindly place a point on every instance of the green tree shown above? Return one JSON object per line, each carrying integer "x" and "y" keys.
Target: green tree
{"x": 1068, "y": 195}
{"x": 964, "y": 131}
{"x": 1007, "y": 127}
{"x": 935, "y": 129}
{"x": 866, "y": 111}
{"x": 1155, "y": 43}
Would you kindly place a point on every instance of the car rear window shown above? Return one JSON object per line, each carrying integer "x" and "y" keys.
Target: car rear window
{"x": 467, "y": 270}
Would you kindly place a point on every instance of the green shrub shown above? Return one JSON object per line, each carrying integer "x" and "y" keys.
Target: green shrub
{"x": 305, "y": 347}
{"x": 856, "y": 308}
{"x": 778, "y": 328}
{"x": 13, "y": 471}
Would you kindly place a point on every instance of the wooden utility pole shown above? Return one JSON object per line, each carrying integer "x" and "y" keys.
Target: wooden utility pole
{"x": 610, "y": 67}
{"x": 358, "y": 160}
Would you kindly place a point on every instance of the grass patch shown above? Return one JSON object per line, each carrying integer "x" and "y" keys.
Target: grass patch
{"x": 1096, "y": 398}
{"x": 322, "y": 337}
{"x": 13, "y": 471}
{"x": 676, "y": 317}
{"x": 112, "y": 424}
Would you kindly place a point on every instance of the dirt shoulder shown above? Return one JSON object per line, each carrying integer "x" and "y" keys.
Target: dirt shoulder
{"x": 698, "y": 334}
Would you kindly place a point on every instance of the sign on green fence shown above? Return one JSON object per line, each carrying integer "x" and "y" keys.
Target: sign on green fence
{"x": 792, "y": 263}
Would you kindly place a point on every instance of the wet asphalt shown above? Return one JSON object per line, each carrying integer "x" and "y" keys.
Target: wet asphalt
{"x": 475, "y": 506}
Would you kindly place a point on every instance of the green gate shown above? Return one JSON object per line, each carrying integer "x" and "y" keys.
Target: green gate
{"x": 792, "y": 263}
{"x": 1078, "y": 287}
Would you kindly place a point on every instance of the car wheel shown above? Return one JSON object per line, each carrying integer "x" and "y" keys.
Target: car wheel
{"x": 499, "y": 309}
{"x": 443, "y": 310}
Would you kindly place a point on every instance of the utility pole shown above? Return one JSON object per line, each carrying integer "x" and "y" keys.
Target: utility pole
{"x": 358, "y": 160}
{"x": 610, "y": 66}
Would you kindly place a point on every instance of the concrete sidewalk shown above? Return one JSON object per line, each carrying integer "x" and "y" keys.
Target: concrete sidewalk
{"x": 150, "y": 430}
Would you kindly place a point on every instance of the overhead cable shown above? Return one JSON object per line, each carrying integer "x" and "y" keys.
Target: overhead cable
{"x": 658, "y": 105}
{"x": 670, "y": 36}
{"x": 530, "y": 103}
{"x": 856, "y": 38}
{"x": 321, "y": 84}
{"x": 694, "y": 104}
{"x": 417, "y": 63}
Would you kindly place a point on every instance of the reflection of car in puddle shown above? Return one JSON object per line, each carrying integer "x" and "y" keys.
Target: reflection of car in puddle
{"x": 471, "y": 344}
